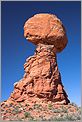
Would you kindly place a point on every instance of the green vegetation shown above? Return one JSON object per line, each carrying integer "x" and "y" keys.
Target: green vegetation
{"x": 20, "y": 104}
{"x": 27, "y": 115}
{"x": 65, "y": 110}
{"x": 70, "y": 112}
{"x": 66, "y": 117}
{"x": 16, "y": 110}
{"x": 50, "y": 106}
{"x": 56, "y": 110}
{"x": 37, "y": 106}
{"x": 62, "y": 109}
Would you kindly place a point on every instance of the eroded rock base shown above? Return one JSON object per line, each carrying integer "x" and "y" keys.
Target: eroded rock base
{"x": 41, "y": 80}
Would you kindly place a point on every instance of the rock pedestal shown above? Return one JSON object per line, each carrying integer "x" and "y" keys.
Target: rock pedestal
{"x": 42, "y": 78}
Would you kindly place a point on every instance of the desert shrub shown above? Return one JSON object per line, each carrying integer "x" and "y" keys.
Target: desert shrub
{"x": 56, "y": 110}
{"x": 16, "y": 110}
{"x": 63, "y": 109}
{"x": 50, "y": 106}
{"x": 60, "y": 110}
{"x": 37, "y": 106}
{"x": 27, "y": 114}
{"x": 67, "y": 117}
{"x": 73, "y": 116}
{"x": 20, "y": 104}
{"x": 58, "y": 119}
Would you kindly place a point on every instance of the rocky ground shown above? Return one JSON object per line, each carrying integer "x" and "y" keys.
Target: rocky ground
{"x": 40, "y": 112}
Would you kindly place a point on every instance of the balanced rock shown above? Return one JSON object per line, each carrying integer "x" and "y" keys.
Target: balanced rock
{"x": 41, "y": 82}
{"x": 46, "y": 29}
{"x": 42, "y": 78}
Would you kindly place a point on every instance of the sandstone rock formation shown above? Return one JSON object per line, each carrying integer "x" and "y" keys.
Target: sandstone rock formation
{"x": 46, "y": 29}
{"x": 42, "y": 79}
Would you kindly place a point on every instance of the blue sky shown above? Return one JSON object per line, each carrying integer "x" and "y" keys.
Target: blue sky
{"x": 15, "y": 48}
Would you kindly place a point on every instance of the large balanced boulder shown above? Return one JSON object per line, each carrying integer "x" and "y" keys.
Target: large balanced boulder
{"x": 46, "y": 29}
